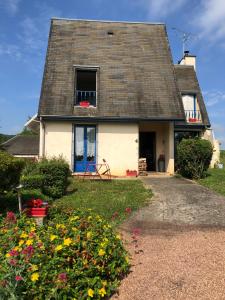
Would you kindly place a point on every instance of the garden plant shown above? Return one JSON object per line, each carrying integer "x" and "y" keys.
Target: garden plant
{"x": 75, "y": 255}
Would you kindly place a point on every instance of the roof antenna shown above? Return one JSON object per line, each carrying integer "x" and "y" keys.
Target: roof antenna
{"x": 184, "y": 37}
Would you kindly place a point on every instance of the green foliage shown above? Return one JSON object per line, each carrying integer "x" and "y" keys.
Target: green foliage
{"x": 193, "y": 157}
{"x": 222, "y": 157}
{"x": 5, "y": 137}
{"x": 10, "y": 170}
{"x": 33, "y": 181}
{"x": 26, "y": 131}
{"x": 73, "y": 256}
{"x": 49, "y": 175}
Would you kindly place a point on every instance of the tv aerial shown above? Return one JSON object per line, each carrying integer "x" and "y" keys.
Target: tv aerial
{"x": 185, "y": 37}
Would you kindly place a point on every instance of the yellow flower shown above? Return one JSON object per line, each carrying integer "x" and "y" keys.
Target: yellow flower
{"x": 60, "y": 226}
{"x": 16, "y": 248}
{"x": 67, "y": 241}
{"x": 89, "y": 234}
{"x": 74, "y": 229}
{"x": 23, "y": 235}
{"x": 29, "y": 242}
{"x": 102, "y": 292}
{"x": 127, "y": 259}
{"x": 7, "y": 255}
{"x": 89, "y": 218}
{"x": 101, "y": 252}
{"x": 59, "y": 247}
{"x": 53, "y": 237}
{"x": 21, "y": 242}
{"x": 104, "y": 283}
{"x": 34, "y": 268}
{"x": 32, "y": 229}
{"x": 90, "y": 293}
{"x": 35, "y": 276}
{"x": 118, "y": 237}
{"x": 74, "y": 218}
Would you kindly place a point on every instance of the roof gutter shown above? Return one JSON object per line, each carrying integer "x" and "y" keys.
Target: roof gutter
{"x": 106, "y": 119}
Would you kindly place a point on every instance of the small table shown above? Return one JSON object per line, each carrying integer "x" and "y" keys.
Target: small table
{"x": 100, "y": 170}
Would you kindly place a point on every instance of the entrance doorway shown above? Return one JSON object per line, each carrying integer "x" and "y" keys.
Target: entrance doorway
{"x": 85, "y": 147}
{"x": 147, "y": 149}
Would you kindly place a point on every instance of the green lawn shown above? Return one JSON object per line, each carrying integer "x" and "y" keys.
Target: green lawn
{"x": 216, "y": 178}
{"x": 107, "y": 197}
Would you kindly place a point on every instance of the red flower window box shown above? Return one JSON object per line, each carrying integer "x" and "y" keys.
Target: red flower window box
{"x": 193, "y": 120}
{"x": 85, "y": 103}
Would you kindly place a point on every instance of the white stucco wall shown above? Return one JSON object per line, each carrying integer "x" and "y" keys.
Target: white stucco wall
{"x": 58, "y": 140}
{"x": 118, "y": 144}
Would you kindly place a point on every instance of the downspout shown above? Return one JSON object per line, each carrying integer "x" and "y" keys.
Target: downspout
{"x": 42, "y": 139}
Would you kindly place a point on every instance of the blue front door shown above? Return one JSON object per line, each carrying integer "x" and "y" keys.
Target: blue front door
{"x": 85, "y": 147}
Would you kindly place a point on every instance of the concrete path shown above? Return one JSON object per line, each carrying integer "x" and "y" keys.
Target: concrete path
{"x": 179, "y": 247}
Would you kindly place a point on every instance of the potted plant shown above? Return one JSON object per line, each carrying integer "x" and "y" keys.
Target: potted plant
{"x": 84, "y": 103}
{"x": 36, "y": 208}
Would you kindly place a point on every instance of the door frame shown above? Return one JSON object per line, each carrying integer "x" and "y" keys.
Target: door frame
{"x": 85, "y": 126}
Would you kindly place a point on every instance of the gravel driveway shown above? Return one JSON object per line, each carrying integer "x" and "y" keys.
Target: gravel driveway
{"x": 180, "y": 247}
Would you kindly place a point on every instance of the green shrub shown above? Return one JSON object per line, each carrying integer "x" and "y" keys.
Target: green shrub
{"x": 193, "y": 157}
{"x": 32, "y": 181}
{"x": 73, "y": 256}
{"x": 10, "y": 170}
{"x": 49, "y": 175}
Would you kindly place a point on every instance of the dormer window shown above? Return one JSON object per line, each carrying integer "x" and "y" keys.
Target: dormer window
{"x": 85, "y": 87}
{"x": 191, "y": 108}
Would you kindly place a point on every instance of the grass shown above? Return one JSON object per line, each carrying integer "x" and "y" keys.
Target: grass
{"x": 107, "y": 197}
{"x": 216, "y": 178}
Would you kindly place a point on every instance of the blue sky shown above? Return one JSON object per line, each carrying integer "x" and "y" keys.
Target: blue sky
{"x": 24, "y": 26}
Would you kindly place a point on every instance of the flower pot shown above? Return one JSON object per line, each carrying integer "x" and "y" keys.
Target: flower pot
{"x": 193, "y": 120}
{"x": 131, "y": 173}
{"x": 37, "y": 211}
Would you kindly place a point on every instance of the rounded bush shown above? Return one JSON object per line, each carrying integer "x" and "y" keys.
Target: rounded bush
{"x": 194, "y": 157}
{"x": 73, "y": 256}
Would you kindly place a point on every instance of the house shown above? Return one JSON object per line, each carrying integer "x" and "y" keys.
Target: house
{"x": 23, "y": 146}
{"x": 110, "y": 91}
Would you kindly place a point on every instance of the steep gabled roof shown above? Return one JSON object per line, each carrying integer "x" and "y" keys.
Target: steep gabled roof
{"x": 136, "y": 73}
{"x": 22, "y": 145}
{"x": 188, "y": 83}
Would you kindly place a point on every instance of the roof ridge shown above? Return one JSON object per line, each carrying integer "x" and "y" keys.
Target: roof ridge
{"x": 107, "y": 21}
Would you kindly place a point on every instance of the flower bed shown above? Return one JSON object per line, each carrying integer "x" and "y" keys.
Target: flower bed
{"x": 73, "y": 256}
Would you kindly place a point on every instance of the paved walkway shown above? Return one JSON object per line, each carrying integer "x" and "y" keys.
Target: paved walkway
{"x": 180, "y": 251}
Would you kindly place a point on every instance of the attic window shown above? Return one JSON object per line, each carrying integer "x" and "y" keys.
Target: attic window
{"x": 110, "y": 33}
{"x": 85, "y": 87}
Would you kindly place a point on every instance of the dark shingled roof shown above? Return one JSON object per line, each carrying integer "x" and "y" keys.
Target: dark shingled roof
{"x": 188, "y": 83}
{"x": 136, "y": 73}
{"x": 22, "y": 145}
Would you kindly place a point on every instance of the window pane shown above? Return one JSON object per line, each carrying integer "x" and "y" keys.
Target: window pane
{"x": 90, "y": 144}
{"x": 79, "y": 144}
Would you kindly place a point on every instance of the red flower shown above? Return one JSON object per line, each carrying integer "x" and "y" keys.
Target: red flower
{"x": 35, "y": 203}
{"x": 18, "y": 278}
{"x": 29, "y": 250}
{"x": 11, "y": 217}
{"x": 13, "y": 262}
{"x": 115, "y": 215}
{"x": 62, "y": 277}
{"x": 128, "y": 210}
{"x": 136, "y": 231}
{"x": 13, "y": 253}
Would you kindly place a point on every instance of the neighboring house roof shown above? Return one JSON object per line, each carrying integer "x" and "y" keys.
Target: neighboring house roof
{"x": 22, "y": 145}
{"x": 188, "y": 83}
{"x": 137, "y": 78}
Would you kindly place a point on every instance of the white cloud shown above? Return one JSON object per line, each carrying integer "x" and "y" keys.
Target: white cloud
{"x": 210, "y": 19}
{"x": 214, "y": 97}
{"x": 11, "y": 6}
{"x": 162, "y": 8}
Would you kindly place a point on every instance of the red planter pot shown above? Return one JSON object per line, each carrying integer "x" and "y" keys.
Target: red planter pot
{"x": 37, "y": 211}
{"x": 132, "y": 173}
